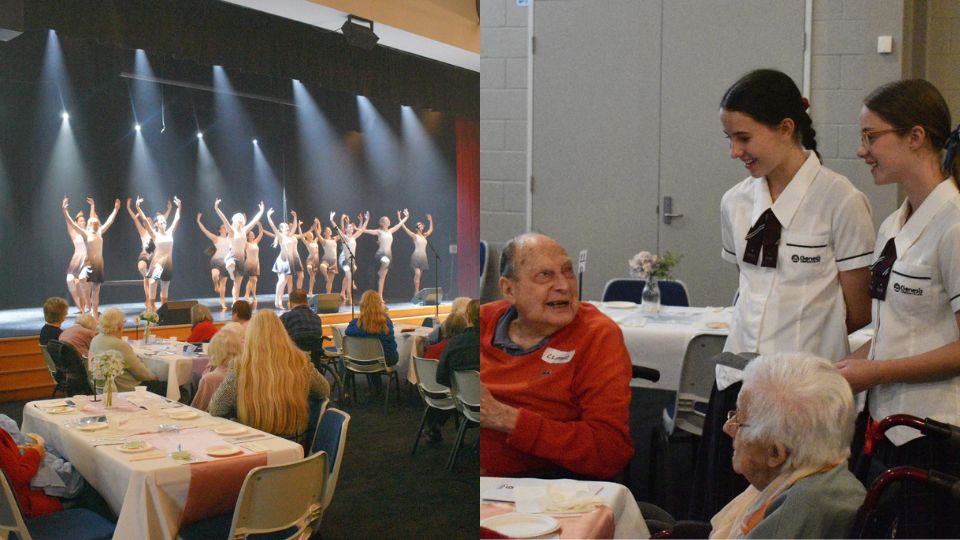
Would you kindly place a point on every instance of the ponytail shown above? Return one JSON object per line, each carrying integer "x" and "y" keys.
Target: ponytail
{"x": 951, "y": 165}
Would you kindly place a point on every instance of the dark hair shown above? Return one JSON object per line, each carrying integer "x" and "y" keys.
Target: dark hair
{"x": 508, "y": 265}
{"x": 770, "y": 96}
{"x": 915, "y": 102}
{"x": 241, "y": 308}
{"x": 298, "y": 296}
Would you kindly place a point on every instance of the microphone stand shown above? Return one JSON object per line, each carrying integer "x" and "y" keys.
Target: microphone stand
{"x": 353, "y": 260}
{"x": 436, "y": 278}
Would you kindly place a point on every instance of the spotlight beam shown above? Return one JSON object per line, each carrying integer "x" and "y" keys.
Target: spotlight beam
{"x": 194, "y": 86}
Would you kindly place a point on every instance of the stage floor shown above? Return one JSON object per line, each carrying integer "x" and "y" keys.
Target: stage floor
{"x": 28, "y": 321}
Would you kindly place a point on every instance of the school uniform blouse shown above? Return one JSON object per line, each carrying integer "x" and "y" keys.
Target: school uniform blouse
{"x": 917, "y": 314}
{"x": 826, "y": 229}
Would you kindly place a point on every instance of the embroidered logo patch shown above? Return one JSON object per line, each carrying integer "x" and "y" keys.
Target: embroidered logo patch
{"x": 804, "y": 259}
{"x": 907, "y": 290}
{"x": 553, "y": 356}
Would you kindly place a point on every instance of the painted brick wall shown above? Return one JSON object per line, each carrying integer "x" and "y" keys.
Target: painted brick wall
{"x": 943, "y": 51}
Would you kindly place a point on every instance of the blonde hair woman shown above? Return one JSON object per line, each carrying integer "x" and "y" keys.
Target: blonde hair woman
{"x": 268, "y": 387}
{"x": 225, "y": 348}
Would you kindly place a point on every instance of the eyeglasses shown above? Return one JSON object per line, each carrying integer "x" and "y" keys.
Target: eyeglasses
{"x": 867, "y": 137}
{"x": 731, "y": 419}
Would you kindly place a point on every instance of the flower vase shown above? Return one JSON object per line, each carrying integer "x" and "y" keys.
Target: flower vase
{"x": 146, "y": 334}
{"x": 650, "y": 297}
{"x": 108, "y": 393}
{"x": 97, "y": 388}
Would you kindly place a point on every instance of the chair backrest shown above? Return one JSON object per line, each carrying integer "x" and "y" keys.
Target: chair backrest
{"x": 312, "y": 344}
{"x": 331, "y": 438}
{"x": 700, "y": 365}
{"x": 278, "y": 497}
{"x": 426, "y": 370}
{"x": 672, "y": 293}
{"x": 363, "y": 354}
{"x": 71, "y": 369}
{"x": 483, "y": 260}
{"x": 337, "y": 337}
{"x": 48, "y": 360}
{"x": 11, "y": 519}
{"x": 317, "y": 408}
{"x": 467, "y": 394}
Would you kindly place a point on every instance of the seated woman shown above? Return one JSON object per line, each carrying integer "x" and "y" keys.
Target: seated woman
{"x": 268, "y": 387}
{"x": 21, "y": 464}
{"x": 225, "y": 347}
{"x": 110, "y": 339}
{"x": 453, "y": 325}
{"x": 791, "y": 435}
{"x": 81, "y": 334}
{"x": 202, "y": 321}
{"x": 374, "y": 322}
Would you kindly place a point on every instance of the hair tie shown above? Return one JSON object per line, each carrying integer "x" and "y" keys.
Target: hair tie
{"x": 951, "y": 147}
{"x": 806, "y": 102}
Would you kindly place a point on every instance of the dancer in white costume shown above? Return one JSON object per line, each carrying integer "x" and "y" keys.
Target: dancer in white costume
{"x": 328, "y": 262}
{"x": 418, "y": 261}
{"x": 146, "y": 248}
{"x": 77, "y": 261}
{"x": 92, "y": 272}
{"x": 218, "y": 269}
{"x": 349, "y": 235}
{"x": 288, "y": 262}
{"x": 252, "y": 265}
{"x": 235, "y": 260}
{"x": 384, "y": 236}
{"x": 161, "y": 265}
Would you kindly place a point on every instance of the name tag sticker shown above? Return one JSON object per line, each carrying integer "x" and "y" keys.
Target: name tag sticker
{"x": 553, "y": 356}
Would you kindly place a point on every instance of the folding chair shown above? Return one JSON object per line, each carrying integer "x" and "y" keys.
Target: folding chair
{"x": 77, "y": 523}
{"x": 466, "y": 395}
{"x": 331, "y": 438}
{"x": 364, "y": 355}
{"x": 435, "y": 395}
{"x": 71, "y": 376}
{"x": 672, "y": 293}
{"x": 312, "y": 344}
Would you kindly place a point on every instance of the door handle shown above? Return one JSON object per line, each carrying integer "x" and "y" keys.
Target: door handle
{"x": 668, "y": 214}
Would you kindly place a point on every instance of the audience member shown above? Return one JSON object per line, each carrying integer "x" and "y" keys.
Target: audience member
{"x": 454, "y": 324}
{"x": 110, "y": 339}
{"x": 374, "y": 322}
{"x": 301, "y": 320}
{"x": 202, "y": 321}
{"x": 81, "y": 333}
{"x": 21, "y": 464}
{"x": 791, "y": 435}
{"x": 555, "y": 394}
{"x": 462, "y": 352}
{"x": 268, "y": 387}
{"x": 54, "y": 312}
{"x": 225, "y": 347}
{"x": 241, "y": 312}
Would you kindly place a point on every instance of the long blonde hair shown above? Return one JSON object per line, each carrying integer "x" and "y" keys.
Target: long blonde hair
{"x": 373, "y": 319}
{"x": 272, "y": 380}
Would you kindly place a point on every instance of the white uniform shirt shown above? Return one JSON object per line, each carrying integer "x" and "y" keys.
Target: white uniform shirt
{"x": 797, "y": 306}
{"x": 918, "y": 313}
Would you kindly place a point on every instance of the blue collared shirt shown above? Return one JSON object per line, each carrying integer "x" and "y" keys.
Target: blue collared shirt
{"x": 501, "y": 336}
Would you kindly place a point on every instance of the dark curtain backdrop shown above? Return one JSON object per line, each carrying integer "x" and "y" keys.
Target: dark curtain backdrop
{"x": 382, "y": 160}
{"x": 468, "y": 205}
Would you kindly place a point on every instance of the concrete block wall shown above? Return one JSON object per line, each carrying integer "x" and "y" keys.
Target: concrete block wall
{"x": 943, "y": 51}
{"x": 504, "y": 41}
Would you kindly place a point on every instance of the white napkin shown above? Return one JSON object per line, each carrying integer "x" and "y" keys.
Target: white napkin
{"x": 558, "y": 497}
{"x": 727, "y": 375}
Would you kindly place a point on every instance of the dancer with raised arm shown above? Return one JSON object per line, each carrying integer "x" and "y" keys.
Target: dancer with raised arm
{"x": 146, "y": 248}
{"x": 348, "y": 235}
{"x": 385, "y": 245}
{"x": 252, "y": 265}
{"x": 238, "y": 227}
{"x": 288, "y": 262}
{"x": 418, "y": 261}
{"x": 328, "y": 263}
{"x": 218, "y": 270}
{"x": 161, "y": 266}
{"x": 77, "y": 290}
{"x": 92, "y": 272}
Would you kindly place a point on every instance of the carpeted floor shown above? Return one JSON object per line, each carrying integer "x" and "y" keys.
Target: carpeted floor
{"x": 383, "y": 491}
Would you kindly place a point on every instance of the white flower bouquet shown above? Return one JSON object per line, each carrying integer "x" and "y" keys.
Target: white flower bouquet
{"x": 105, "y": 367}
{"x": 150, "y": 317}
{"x": 643, "y": 265}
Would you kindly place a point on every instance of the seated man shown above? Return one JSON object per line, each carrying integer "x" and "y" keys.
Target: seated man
{"x": 555, "y": 394}
{"x": 301, "y": 319}
{"x": 54, "y": 312}
{"x": 791, "y": 435}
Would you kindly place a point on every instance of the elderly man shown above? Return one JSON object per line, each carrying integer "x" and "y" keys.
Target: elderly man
{"x": 301, "y": 320}
{"x": 555, "y": 373}
{"x": 791, "y": 438}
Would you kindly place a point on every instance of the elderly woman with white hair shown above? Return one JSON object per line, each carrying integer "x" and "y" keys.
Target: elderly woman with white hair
{"x": 791, "y": 435}
{"x": 225, "y": 347}
{"x": 80, "y": 335}
{"x": 110, "y": 339}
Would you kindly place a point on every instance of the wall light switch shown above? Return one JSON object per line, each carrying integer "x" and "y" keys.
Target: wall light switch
{"x": 884, "y": 44}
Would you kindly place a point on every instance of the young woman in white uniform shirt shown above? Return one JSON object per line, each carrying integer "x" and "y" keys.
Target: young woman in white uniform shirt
{"x": 912, "y": 365}
{"x": 801, "y": 234}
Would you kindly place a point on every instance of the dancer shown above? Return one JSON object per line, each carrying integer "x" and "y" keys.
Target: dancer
{"x": 218, "y": 271}
{"x": 238, "y": 228}
{"x": 146, "y": 248}
{"x": 252, "y": 265}
{"x": 328, "y": 263}
{"x": 418, "y": 261}
{"x": 92, "y": 272}
{"x": 161, "y": 265}
{"x": 288, "y": 262}
{"x": 385, "y": 244}
{"x": 349, "y": 235}
{"x": 313, "y": 255}
{"x": 75, "y": 266}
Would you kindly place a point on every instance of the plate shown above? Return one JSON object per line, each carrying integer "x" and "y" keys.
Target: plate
{"x": 52, "y": 404}
{"x": 143, "y": 447}
{"x": 229, "y": 430}
{"x": 716, "y": 325}
{"x": 220, "y": 450}
{"x": 620, "y": 304}
{"x": 95, "y": 426}
{"x": 517, "y": 525}
{"x": 184, "y": 415}
{"x": 61, "y": 410}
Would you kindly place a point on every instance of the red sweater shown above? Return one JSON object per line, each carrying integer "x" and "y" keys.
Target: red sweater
{"x": 574, "y": 414}
{"x": 20, "y": 470}
{"x": 203, "y": 332}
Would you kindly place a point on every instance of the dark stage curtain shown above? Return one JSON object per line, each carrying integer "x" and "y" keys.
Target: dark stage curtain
{"x": 468, "y": 206}
{"x": 217, "y": 33}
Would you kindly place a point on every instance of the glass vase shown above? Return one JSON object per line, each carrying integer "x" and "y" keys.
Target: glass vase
{"x": 146, "y": 334}
{"x": 108, "y": 393}
{"x": 650, "y": 297}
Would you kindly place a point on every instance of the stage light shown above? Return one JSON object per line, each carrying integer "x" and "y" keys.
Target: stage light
{"x": 136, "y": 127}
{"x": 255, "y": 141}
{"x": 199, "y": 134}
{"x": 65, "y": 115}
{"x": 359, "y": 35}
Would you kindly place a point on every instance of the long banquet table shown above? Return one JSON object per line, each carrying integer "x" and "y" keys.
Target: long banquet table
{"x": 172, "y": 361}
{"x": 151, "y": 493}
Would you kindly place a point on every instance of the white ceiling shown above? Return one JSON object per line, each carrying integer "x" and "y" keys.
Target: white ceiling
{"x": 327, "y": 18}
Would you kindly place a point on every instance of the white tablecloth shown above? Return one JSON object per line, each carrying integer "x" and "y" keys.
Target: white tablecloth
{"x": 628, "y": 521}
{"x": 407, "y": 345}
{"x": 148, "y": 495}
{"x": 168, "y": 361}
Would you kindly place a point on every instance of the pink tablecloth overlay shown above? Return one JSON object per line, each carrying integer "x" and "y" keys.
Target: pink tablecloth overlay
{"x": 596, "y": 524}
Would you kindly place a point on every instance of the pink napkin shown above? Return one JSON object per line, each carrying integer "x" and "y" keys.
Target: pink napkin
{"x": 119, "y": 404}
{"x": 595, "y": 524}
